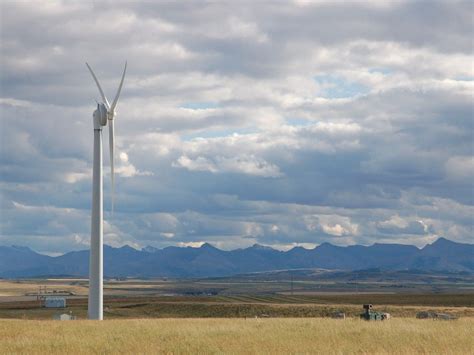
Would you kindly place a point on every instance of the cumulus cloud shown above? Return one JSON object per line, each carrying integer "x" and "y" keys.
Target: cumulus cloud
{"x": 240, "y": 123}
{"x": 250, "y": 165}
{"x": 399, "y": 225}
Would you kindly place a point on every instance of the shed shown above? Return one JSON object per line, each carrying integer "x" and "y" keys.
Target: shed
{"x": 64, "y": 316}
{"x": 55, "y": 302}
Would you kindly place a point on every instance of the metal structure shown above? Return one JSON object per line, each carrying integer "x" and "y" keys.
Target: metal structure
{"x": 43, "y": 293}
{"x": 103, "y": 115}
{"x": 370, "y": 314}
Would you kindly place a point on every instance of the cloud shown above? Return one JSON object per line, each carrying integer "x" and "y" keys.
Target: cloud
{"x": 250, "y": 165}
{"x": 398, "y": 225}
{"x": 240, "y": 124}
{"x": 127, "y": 169}
{"x": 460, "y": 168}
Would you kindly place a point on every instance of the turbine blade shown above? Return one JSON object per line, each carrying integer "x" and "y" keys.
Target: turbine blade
{"x": 112, "y": 156}
{"x": 119, "y": 89}
{"x": 106, "y": 102}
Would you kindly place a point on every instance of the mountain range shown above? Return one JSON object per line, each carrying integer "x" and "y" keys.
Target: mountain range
{"x": 208, "y": 261}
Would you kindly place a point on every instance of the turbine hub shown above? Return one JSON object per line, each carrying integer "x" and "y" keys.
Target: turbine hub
{"x": 110, "y": 115}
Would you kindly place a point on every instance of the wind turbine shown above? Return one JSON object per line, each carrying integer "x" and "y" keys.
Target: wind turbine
{"x": 103, "y": 115}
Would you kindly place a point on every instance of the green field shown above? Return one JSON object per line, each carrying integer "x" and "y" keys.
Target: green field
{"x": 238, "y": 336}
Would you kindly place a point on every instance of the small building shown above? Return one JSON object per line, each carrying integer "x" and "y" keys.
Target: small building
{"x": 55, "y": 302}
{"x": 435, "y": 315}
{"x": 64, "y": 316}
{"x": 338, "y": 315}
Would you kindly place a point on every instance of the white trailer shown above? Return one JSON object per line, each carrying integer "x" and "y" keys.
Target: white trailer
{"x": 55, "y": 302}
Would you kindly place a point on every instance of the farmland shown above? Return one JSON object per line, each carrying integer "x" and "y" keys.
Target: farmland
{"x": 222, "y": 298}
{"x": 233, "y": 316}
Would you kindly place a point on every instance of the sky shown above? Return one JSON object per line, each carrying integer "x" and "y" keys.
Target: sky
{"x": 278, "y": 123}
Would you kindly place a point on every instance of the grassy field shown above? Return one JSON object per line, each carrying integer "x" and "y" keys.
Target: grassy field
{"x": 242, "y": 306}
{"x": 166, "y": 316}
{"x": 248, "y": 306}
{"x": 246, "y": 336}
{"x": 161, "y": 299}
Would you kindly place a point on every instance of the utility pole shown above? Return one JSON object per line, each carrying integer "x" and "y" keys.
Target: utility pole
{"x": 291, "y": 277}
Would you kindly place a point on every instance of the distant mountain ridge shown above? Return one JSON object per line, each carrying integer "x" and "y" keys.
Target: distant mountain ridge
{"x": 208, "y": 261}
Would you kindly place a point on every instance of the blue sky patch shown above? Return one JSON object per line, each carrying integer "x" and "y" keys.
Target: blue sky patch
{"x": 295, "y": 121}
{"x": 336, "y": 87}
{"x": 464, "y": 78}
{"x": 216, "y": 133}
{"x": 385, "y": 71}
{"x": 199, "y": 105}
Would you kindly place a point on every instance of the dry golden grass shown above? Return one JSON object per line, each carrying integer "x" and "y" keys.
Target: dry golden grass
{"x": 238, "y": 336}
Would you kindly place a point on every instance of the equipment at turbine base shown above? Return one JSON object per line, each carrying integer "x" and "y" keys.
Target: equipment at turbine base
{"x": 64, "y": 316}
{"x": 369, "y": 314}
{"x": 435, "y": 315}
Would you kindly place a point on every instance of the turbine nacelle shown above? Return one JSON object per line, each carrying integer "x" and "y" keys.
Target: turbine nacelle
{"x": 100, "y": 115}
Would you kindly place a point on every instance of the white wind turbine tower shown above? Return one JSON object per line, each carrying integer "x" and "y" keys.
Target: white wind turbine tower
{"x": 103, "y": 115}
